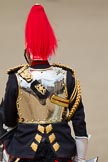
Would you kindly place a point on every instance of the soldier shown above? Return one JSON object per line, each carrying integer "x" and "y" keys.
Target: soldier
{"x": 40, "y": 100}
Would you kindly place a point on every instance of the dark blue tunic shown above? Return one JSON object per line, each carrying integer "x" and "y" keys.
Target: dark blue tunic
{"x": 18, "y": 144}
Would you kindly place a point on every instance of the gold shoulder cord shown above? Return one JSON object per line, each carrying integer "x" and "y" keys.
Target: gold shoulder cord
{"x": 76, "y": 93}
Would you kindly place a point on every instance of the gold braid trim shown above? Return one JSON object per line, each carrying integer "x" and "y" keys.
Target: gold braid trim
{"x": 59, "y": 101}
{"x": 77, "y": 101}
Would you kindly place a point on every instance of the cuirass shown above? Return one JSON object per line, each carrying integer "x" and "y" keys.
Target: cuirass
{"x": 31, "y": 108}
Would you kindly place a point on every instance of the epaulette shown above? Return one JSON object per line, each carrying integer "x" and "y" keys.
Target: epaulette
{"x": 14, "y": 69}
{"x": 64, "y": 67}
{"x": 23, "y": 71}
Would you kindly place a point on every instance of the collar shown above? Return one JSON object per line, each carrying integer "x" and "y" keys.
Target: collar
{"x": 40, "y": 64}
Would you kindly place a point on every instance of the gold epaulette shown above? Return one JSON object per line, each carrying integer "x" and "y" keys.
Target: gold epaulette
{"x": 14, "y": 69}
{"x": 65, "y": 67}
{"x": 22, "y": 70}
{"x": 25, "y": 73}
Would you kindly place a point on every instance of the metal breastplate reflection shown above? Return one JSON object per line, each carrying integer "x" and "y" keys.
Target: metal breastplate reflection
{"x": 32, "y": 109}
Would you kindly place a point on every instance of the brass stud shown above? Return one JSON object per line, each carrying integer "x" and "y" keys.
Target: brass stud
{"x": 52, "y": 138}
{"x": 56, "y": 146}
{"x": 34, "y": 146}
{"x": 49, "y": 128}
{"x": 41, "y": 128}
{"x": 38, "y": 138}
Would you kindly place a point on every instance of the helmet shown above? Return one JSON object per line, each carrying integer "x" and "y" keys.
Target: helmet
{"x": 40, "y": 40}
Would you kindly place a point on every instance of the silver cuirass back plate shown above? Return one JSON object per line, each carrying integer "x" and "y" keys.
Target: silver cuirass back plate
{"x": 32, "y": 109}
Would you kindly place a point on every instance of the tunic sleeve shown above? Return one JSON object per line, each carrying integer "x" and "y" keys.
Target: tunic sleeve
{"x": 78, "y": 119}
{"x": 10, "y": 98}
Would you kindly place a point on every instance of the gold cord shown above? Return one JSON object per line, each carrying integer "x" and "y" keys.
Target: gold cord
{"x": 77, "y": 101}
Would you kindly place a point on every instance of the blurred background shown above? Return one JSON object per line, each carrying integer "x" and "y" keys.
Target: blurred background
{"x": 81, "y": 27}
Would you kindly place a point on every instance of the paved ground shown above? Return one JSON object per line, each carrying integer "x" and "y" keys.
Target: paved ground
{"x": 82, "y": 31}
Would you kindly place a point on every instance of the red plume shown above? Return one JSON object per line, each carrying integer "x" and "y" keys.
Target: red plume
{"x": 39, "y": 36}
